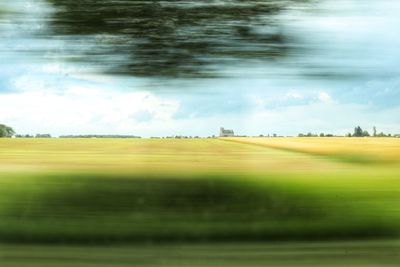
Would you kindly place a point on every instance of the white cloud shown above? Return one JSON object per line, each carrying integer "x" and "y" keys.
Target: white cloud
{"x": 294, "y": 94}
{"x": 81, "y": 109}
{"x": 324, "y": 97}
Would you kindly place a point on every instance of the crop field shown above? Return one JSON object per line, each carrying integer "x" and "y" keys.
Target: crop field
{"x": 82, "y": 193}
{"x": 357, "y": 150}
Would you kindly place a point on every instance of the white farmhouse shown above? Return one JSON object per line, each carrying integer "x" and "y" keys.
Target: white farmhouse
{"x": 225, "y": 132}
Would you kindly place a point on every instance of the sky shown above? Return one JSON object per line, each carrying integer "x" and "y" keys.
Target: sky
{"x": 344, "y": 72}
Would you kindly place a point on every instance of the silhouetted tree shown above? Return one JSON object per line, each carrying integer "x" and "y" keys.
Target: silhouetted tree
{"x": 358, "y": 132}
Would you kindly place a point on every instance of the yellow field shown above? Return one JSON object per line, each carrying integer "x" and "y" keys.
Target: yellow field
{"x": 371, "y": 149}
{"x": 146, "y": 155}
{"x": 188, "y": 155}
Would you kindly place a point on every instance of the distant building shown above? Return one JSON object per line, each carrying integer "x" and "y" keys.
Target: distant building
{"x": 225, "y": 132}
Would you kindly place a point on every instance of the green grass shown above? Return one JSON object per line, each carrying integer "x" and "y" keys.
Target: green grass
{"x": 102, "y": 208}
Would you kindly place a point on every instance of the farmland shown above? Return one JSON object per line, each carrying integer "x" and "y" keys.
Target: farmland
{"x": 82, "y": 192}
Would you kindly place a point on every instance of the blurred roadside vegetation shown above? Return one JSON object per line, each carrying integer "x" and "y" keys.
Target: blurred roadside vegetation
{"x": 172, "y": 38}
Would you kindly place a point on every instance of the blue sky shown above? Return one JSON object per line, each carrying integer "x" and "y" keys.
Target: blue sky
{"x": 347, "y": 75}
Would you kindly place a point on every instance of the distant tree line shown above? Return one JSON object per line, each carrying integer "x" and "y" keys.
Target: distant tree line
{"x": 43, "y": 136}
{"x": 315, "y": 135}
{"x": 359, "y": 132}
{"x": 7, "y": 131}
{"x": 24, "y": 136}
{"x": 33, "y": 136}
{"x": 99, "y": 136}
{"x": 182, "y": 137}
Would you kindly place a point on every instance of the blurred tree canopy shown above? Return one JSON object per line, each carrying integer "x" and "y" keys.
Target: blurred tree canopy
{"x": 6, "y": 131}
{"x": 172, "y": 38}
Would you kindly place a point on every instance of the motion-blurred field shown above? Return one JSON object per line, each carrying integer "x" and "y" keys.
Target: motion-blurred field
{"x": 304, "y": 254}
{"x": 135, "y": 190}
{"x": 357, "y": 150}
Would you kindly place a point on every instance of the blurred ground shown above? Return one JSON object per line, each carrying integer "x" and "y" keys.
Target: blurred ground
{"x": 366, "y": 254}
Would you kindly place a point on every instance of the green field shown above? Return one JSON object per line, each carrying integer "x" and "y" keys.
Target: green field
{"x": 86, "y": 192}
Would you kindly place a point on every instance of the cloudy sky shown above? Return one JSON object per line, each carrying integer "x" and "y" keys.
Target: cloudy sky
{"x": 341, "y": 68}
